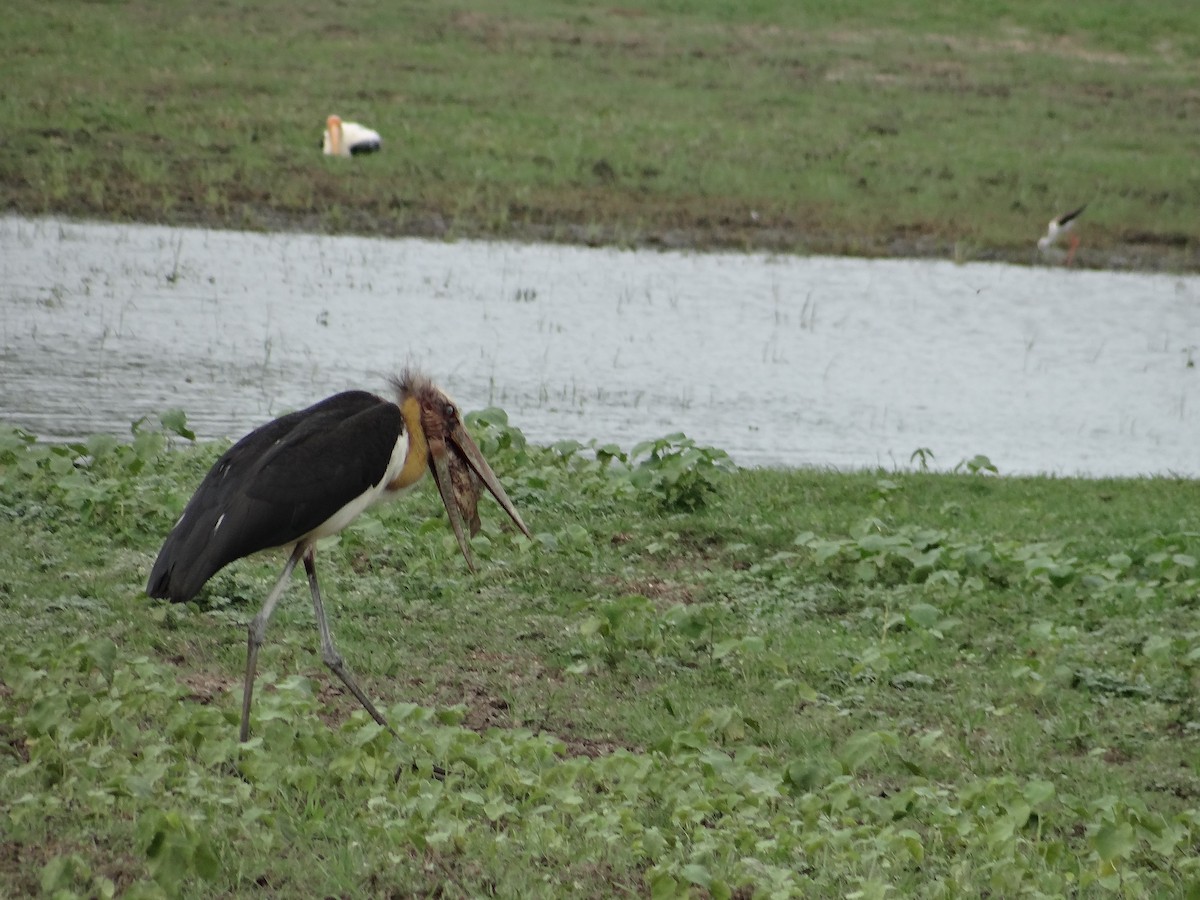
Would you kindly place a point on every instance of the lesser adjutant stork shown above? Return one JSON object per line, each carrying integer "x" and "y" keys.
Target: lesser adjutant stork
{"x": 308, "y": 475}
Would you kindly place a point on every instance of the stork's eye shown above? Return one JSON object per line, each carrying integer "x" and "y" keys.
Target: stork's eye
{"x": 450, "y": 411}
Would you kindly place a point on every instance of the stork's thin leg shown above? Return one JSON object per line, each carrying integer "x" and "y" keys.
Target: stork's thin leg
{"x": 1074, "y": 245}
{"x": 329, "y": 652}
{"x": 257, "y": 632}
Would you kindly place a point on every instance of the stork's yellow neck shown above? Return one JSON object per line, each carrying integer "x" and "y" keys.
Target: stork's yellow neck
{"x": 416, "y": 460}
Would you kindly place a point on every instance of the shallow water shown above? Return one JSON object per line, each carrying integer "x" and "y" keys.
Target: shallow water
{"x": 778, "y": 360}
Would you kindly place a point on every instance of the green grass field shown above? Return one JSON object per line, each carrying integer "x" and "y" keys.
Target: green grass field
{"x": 948, "y": 129}
{"x": 692, "y": 682}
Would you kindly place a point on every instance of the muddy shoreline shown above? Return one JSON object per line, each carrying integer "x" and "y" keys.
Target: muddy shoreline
{"x": 1172, "y": 254}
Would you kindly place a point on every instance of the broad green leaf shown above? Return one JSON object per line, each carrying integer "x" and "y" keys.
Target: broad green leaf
{"x": 205, "y": 861}
{"x": 859, "y": 750}
{"x": 1114, "y": 841}
{"x": 1038, "y": 792}
{"x": 103, "y": 653}
{"x": 924, "y": 614}
{"x": 175, "y": 420}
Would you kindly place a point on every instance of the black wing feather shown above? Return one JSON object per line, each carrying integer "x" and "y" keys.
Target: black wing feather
{"x": 275, "y": 485}
{"x": 1073, "y": 214}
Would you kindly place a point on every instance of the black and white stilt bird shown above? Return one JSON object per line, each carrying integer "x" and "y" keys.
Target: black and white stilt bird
{"x": 1059, "y": 227}
{"x": 308, "y": 475}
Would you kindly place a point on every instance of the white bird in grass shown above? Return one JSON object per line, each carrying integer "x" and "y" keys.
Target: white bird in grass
{"x": 349, "y": 138}
{"x": 1058, "y": 227}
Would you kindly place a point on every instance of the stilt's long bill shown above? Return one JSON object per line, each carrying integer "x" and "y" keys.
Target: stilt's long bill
{"x": 308, "y": 475}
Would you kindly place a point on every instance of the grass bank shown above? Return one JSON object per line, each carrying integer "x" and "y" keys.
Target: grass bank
{"x": 692, "y": 682}
{"x": 930, "y": 128}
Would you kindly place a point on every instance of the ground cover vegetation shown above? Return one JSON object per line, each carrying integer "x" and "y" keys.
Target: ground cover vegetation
{"x": 952, "y": 129}
{"x": 694, "y": 681}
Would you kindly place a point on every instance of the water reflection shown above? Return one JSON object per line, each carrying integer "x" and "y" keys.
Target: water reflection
{"x": 779, "y": 360}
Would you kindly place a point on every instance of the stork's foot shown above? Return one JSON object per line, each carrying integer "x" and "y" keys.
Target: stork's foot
{"x": 438, "y": 773}
{"x": 338, "y": 667}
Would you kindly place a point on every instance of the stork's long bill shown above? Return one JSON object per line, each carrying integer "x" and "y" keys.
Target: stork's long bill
{"x": 454, "y": 460}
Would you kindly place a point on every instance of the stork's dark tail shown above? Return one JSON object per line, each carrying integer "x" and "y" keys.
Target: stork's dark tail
{"x": 191, "y": 554}
{"x": 174, "y": 579}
